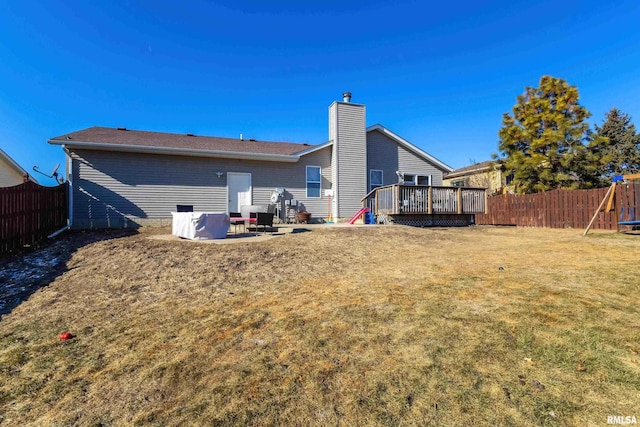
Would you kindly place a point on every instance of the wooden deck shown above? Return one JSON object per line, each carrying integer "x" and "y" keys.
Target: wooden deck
{"x": 421, "y": 204}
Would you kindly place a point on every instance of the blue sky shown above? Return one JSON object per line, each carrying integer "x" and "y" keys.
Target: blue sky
{"x": 440, "y": 74}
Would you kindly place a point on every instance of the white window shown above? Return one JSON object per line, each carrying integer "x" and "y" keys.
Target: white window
{"x": 415, "y": 179}
{"x": 313, "y": 181}
{"x": 375, "y": 179}
{"x": 423, "y": 179}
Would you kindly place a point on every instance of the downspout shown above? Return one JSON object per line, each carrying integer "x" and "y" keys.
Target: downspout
{"x": 69, "y": 196}
{"x": 335, "y": 157}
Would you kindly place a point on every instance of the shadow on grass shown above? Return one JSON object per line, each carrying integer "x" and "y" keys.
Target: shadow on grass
{"x": 300, "y": 230}
{"x": 23, "y": 274}
{"x": 268, "y": 231}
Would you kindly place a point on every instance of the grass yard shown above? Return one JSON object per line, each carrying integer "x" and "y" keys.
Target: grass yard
{"x": 389, "y": 326}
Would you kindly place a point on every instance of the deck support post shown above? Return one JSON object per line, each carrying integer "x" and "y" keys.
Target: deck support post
{"x": 376, "y": 194}
{"x": 430, "y": 200}
{"x": 459, "y": 197}
{"x": 396, "y": 196}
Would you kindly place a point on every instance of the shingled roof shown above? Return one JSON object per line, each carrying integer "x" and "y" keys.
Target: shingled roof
{"x": 470, "y": 170}
{"x": 119, "y": 138}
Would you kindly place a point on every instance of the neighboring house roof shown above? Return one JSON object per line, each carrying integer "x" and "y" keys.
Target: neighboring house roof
{"x": 15, "y": 166}
{"x": 471, "y": 170}
{"x": 120, "y": 139}
{"x": 403, "y": 142}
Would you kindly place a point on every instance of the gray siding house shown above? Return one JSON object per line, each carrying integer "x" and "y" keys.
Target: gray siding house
{"x": 126, "y": 178}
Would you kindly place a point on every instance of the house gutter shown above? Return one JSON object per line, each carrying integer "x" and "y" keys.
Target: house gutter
{"x": 69, "y": 196}
{"x": 291, "y": 158}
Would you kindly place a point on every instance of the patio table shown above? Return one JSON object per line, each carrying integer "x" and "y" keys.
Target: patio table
{"x": 250, "y": 220}
{"x": 243, "y": 221}
{"x": 200, "y": 225}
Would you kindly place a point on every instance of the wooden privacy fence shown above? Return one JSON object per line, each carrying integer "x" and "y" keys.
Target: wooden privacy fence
{"x": 562, "y": 208}
{"x": 29, "y": 213}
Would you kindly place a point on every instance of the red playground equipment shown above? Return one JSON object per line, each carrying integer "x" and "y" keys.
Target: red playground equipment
{"x": 361, "y": 212}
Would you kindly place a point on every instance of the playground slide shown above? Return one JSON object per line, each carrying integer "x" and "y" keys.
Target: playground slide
{"x": 358, "y": 214}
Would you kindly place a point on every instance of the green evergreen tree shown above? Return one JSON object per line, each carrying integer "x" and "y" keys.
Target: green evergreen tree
{"x": 547, "y": 143}
{"x": 622, "y": 149}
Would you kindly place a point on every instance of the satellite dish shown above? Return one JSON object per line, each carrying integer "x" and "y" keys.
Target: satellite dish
{"x": 274, "y": 197}
{"x": 54, "y": 173}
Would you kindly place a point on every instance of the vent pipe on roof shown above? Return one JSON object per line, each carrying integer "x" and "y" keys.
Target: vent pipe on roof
{"x": 241, "y": 138}
{"x": 346, "y": 97}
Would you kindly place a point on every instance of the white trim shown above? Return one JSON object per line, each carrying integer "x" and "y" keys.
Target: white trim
{"x": 381, "y": 178}
{"x": 404, "y": 178}
{"x": 335, "y": 164}
{"x": 314, "y": 149}
{"x": 429, "y": 182}
{"x": 306, "y": 182}
{"x": 455, "y": 174}
{"x": 12, "y": 163}
{"x": 409, "y": 146}
{"x": 292, "y": 158}
{"x": 250, "y": 187}
{"x": 415, "y": 176}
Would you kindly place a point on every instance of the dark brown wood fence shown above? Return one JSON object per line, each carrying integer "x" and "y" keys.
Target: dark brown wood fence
{"x": 29, "y": 213}
{"x": 563, "y": 208}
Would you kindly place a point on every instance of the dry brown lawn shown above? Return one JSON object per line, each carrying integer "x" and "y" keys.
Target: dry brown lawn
{"x": 392, "y": 326}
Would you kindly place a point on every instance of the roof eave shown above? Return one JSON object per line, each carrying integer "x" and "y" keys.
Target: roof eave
{"x": 13, "y": 163}
{"x": 292, "y": 158}
{"x": 409, "y": 146}
{"x": 482, "y": 167}
{"x": 468, "y": 172}
{"x": 314, "y": 148}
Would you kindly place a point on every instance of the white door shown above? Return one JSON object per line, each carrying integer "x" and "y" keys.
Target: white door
{"x": 238, "y": 190}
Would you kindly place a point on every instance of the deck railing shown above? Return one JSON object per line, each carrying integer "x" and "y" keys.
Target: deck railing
{"x": 399, "y": 199}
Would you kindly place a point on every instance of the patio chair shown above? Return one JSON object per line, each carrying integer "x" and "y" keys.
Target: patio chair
{"x": 184, "y": 208}
{"x": 264, "y": 219}
{"x": 253, "y": 218}
{"x": 236, "y": 222}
